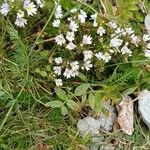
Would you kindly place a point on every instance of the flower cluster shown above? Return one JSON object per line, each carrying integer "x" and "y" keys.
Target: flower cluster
{"x": 120, "y": 41}
{"x": 28, "y": 6}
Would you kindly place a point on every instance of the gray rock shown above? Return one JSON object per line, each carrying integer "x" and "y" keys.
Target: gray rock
{"x": 107, "y": 147}
{"x": 144, "y": 106}
{"x": 88, "y": 125}
{"x": 106, "y": 122}
{"x": 95, "y": 142}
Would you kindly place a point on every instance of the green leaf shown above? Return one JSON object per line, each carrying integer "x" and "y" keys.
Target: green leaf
{"x": 66, "y": 4}
{"x": 98, "y": 101}
{"x": 82, "y": 89}
{"x": 82, "y": 77}
{"x": 64, "y": 110}
{"x": 61, "y": 94}
{"x": 1, "y": 93}
{"x": 54, "y": 104}
{"x": 92, "y": 100}
{"x": 130, "y": 90}
{"x": 43, "y": 73}
{"x": 72, "y": 104}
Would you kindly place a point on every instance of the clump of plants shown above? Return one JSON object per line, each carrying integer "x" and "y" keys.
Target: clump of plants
{"x": 73, "y": 55}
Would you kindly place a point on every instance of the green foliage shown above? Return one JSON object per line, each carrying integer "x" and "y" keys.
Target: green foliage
{"x": 82, "y": 89}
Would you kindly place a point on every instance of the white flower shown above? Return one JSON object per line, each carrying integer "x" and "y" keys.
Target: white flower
{"x": 82, "y": 16}
{"x": 30, "y": 7}
{"x": 4, "y": 9}
{"x": 57, "y": 70}
{"x": 94, "y": 18}
{"x": 87, "y": 65}
{"x": 75, "y": 73}
{"x": 112, "y": 24}
{"x": 70, "y": 46}
{"x": 70, "y": 36}
{"x": 87, "y": 55}
{"x": 120, "y": 32}
{"x": 40, "y": 3}
{"x": 74, "y": 65}
{"x": 87, "y": 39}
{"x": 58, "y": 12}
{"x": 147, "y": 53}
{"x": 146, "y": 37}
{"x": 129, "y": 31}
{"x": 148, "y": 46}
{"x": 67, "y": 73}
{"x": 126, "y": 50}
{"x": 20, "y": 14}
{"x": 101, "y": 31}
{"x": 99, "y": 55}
{"x": 56, "y": 23}
{"x": 106, "y": 57}
{"x": 60, "y": 40}
{"x": 58, "y": 82}
{"x": 20, "y": 22}
{"x": 134, "y": 39}
{"x": 58, "y": 60}
{"x": 115, "y": 42}
{"x": 73, "y": 26}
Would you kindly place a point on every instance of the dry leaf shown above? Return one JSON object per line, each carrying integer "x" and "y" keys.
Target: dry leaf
{"x": 125, "y": 117}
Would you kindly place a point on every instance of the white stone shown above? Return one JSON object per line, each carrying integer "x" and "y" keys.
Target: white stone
{"x": 144, "y": 106}
{"x": 88, "y": 125}
{"x": 147, "y": 22}
{"x": 106, "y": 122}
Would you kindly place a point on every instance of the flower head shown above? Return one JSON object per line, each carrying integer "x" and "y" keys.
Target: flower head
{"x": 58, "y": 82}
{"x": 112, "y": 24}
{"x": 88, "y": 54}
{"x": 147, "y": 53}
{"x": 56, "y": 23}
{"x": 70, "y": 36}
{"x": 82, "y": 16}
{"x": 60, "y": 40}
{"x": 115, "y": 42}
{"x": 99, "y": 55}
{"x": 94, "y": 18}
{"x": 58, "y": 60}
{"x": 30, "y": 7}
{"x": 106, "y": 57}
{"x": 73, "y": 26}
{"x": 4, "y": 9}
{"x": 87, "y": 40}
{"x": 87, "y": 65}
{"x": 70, "y": 46}
{"x": 58, "y": 12}
{"x": 57, "y": 70}
{"x": 101, "y": 31}
{"x": 40, "y": 3}
{"x": 74, "y": 65}
{"x": 126, "y": 50}
{"x": 67, "y": 73}
{"x": 20, "y": 22}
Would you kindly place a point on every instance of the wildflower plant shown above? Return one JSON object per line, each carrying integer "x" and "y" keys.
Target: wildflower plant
{"x": 23, "y": 9}
{"x": 87, "y": 40}
{"x": 84, "y": 41}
